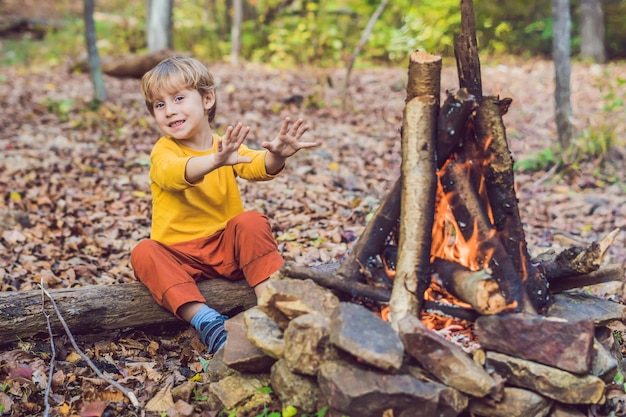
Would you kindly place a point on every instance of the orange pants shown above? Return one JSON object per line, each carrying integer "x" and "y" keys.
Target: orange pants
{"x": 246, "y": 249}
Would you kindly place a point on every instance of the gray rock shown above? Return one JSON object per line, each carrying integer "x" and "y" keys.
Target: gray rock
{"x": 293, "y": 389}
{"x": 364, "y": 335}
{"x": 575, "y": 306}
{"x": 264, "y": 333}
{"x": 559, "y": 385}
{"x": 217, "y": 369}
{"x": 515, "y": 402}
{"x": 564, "y": 344}
{"x": 355, "y": 391}
{"x": 239, "y": 352}
{"x": 604, "y": 366}
{"x": 241, "y": 391}
{"x": 443, "y": 359}
{"x": 307, "y": 343}
{"x": 286, "y": 298}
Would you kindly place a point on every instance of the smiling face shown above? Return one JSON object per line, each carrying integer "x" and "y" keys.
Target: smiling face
{"x": 182, "y": 114}
{"x": 180, "y": 92}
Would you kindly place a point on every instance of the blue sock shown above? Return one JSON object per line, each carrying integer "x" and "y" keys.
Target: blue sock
{"x": 210, "y": 324}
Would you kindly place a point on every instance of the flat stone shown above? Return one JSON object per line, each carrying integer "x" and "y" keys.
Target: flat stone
{"x": 286, "y": 298}
{"x": 604, "y": 365}
{"x": 562, "y": 410}
{"x": 551, "y": 341}
{"x": 355, "y": 391}
{"x": 293, "y": 389}
{"x": 264, "y": 333}
{"x": 217, "y": 369}
{"x": 576, "y": 306}
{"x": 443, "y": 359}
{"x": 515, "y": 402}
{"x": 356, "y": 330}
{"x": 307, "y": 344}
{"x": 239, "y": 390}
{"x": 554, "y": 383}
{"x": 239, "y": 353}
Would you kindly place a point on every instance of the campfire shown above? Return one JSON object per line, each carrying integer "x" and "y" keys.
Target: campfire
{"x": 438, "y": 309}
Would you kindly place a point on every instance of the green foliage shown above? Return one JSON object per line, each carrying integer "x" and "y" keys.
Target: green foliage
{"x": 540, "y": 161}
{"x": 61, "y": 108}
{"x": 601, "y": 135}
{"x": 321, "y": 33}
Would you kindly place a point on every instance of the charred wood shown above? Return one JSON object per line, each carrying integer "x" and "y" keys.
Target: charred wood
{"x": 452, "y": 121}
{"x": 466, "y": 52}
{"x": 473, "y": 221}
{"x": 500, "y": 188}
{"x": 614, "y": 272}
{"x": 372, "y": 240}
{"x": 576, "y": 260}
{"x": 331, "y": 281}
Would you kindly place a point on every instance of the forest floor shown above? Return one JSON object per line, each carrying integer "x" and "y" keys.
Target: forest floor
{"x": 76, "y": 196}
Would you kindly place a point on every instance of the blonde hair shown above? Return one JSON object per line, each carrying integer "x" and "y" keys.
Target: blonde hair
{"x": 176, "y": 73}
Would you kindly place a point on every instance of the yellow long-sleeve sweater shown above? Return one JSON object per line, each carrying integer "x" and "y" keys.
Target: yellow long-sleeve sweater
{"x": 182, "y": 211}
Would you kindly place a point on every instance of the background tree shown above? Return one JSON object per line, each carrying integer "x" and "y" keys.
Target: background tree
{"x": 561, "y": 54}
{"x": 95, "y": 68}
{"x": 592, "y": 31}
{"x": 235, "y": 32}
{"x": 159, "y": 32}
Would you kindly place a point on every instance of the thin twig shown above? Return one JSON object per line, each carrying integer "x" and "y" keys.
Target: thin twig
{"x": 54, "y": 353}
{"x": 131, "y": 395}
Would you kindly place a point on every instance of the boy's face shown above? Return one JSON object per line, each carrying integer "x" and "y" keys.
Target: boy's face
{"x": 182, "y": 114}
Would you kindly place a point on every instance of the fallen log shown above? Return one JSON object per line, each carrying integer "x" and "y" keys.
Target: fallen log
{"x": 126, "y": 66}
{"x": 91, "y": 309}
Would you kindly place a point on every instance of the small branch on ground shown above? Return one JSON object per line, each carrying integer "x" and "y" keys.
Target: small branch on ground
{"x": 52, "y": 358}
{"x": 131, "y": 395}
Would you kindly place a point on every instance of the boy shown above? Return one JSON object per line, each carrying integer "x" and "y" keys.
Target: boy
{"x": 199, "y": 227}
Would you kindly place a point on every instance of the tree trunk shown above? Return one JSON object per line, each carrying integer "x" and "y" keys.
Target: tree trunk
{"x": 364, "y": 37}
{"x": 95, "y": 308}
{"x": 592, "y": 31}
{"x": 159, "y": 25}
{"x": 235, "y": 32}
{"x": 562, "y": 65}
{"x": 95, "y": 69}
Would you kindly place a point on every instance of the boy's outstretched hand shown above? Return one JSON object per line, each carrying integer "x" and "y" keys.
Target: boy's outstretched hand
{"x": 229, "y": 144}
{"x": 287, "y": 142}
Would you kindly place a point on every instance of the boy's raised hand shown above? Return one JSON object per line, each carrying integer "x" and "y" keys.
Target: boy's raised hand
{"x": 229, "y": 144}
{"x": 287, "y": 142}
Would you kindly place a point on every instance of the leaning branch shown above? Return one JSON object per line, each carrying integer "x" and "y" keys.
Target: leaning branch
{"x": 131, "y": 395}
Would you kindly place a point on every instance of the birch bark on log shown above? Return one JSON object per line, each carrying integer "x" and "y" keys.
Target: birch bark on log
{"x": 419, "y": 129}
{"x": 417, "y": 209}
{"x": 419, "y": 182}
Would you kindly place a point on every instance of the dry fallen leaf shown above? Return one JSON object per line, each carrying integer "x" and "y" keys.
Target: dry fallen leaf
{"x": 93, "y": 409}
{"x": 162, "y": 401}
